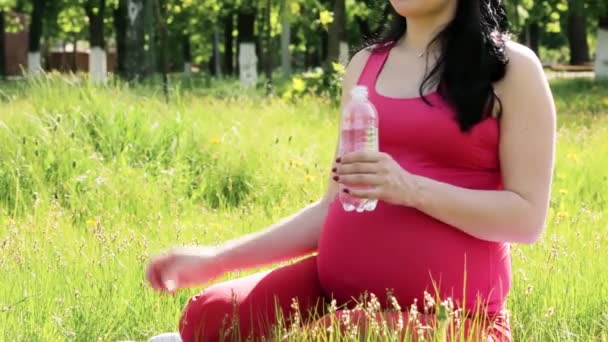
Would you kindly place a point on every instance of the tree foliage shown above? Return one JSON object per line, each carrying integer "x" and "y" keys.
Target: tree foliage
{"x": 191, "y": 25}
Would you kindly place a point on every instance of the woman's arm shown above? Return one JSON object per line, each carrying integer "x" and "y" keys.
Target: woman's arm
{"x": 291, "y": 237}
{"x": 298, "y": 234}
{"x": 527, "y": 147}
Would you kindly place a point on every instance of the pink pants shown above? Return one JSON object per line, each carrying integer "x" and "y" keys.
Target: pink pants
{"x": 244, "y": 307}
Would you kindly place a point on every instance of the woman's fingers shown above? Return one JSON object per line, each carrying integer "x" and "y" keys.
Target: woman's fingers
{"x": 359, "y": 179}
{"x": 361, "y": 157}
{"x": 181, "y": 268}
{"x": 160, "y": 270}
{"x": 153, "y": 275}
{"x": 170, "y": 281}
{"x": 370, "y": 193}
{"x": 355, "y": 168}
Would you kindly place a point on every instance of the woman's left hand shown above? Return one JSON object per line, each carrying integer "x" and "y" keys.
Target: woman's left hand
{"x": 374, "y": 175}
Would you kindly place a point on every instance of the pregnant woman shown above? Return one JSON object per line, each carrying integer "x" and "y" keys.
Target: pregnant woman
{"x": 467, "y": 138}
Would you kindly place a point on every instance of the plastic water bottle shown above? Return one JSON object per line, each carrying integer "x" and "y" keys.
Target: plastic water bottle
{"x": 359, "y": 131}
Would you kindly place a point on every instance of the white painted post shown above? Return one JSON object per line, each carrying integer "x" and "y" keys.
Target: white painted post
{"x": 343, "y": 54}
{"x": 134, "y": 9}
{"x": 98, "y": 66}
{"x": 601, "y": 54}
{"x": 34, "y": 65}
{"x": 248, "y": 64}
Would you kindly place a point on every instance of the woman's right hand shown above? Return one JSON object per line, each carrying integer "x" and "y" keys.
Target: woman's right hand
{"x": 184, "y": 267}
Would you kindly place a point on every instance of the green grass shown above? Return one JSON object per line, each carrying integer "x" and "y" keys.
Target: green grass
{"x": 95, "y": 180}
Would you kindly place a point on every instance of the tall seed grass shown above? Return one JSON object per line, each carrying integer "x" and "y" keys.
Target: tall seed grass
{"x": 94, "y": 180}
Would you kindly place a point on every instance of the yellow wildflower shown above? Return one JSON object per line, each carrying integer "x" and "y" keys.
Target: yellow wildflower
{"x": 91, "y": 222}
{"x": 563, "y": 215}
{"x": 573, "y": 156}
{"x": 215, "y": 140}
{"x": 563, "y": 191}
{"x": 298, "y": 84}
{"x": 295, "y": 8}
{"x": 338, "y": 68}
{"x": 309, "y": 178}
{"x": 326, "y": 17}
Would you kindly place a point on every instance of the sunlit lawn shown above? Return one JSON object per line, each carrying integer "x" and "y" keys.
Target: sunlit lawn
{"x": 95, "y": 180}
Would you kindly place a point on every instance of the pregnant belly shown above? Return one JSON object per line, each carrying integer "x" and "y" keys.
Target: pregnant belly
{"x": 408, "y": 252}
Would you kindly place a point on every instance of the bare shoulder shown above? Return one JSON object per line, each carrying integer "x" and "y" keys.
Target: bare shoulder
{"x": 523, "y": 70}
{"x": 525, "y": 90}
{"x": 360, "y": 58}
{"x": 355, "y": 67}
{"x": 521, "y": 53}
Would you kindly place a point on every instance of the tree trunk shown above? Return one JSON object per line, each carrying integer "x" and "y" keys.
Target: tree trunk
{"x": 217, "y": 65}
{"x": 285, "y": 42}
{"x": 140, "y": 40}
{"x": 269, "y": 47}
{"x": 260, "y": 41}
{"x": 337, "y": 31}
{"x": 601, "y": 52}
{"x": 228, "y": 45}
{"x": 187, "y": 53}
{"x": 35, "y": 33}
{"x": 120, "y": 26}
{"x": 245, "y": 25}
{"x": 307, "y": 58}
{"x": 98, "y": 68}
{"x": 603, "y": 22}
{"x": 323, "y": 51}
{"x": 577, "y": 35}
{"x": 2, "y": 46}
{"x": 95, "y": 10}
{"x": 363, "y": 24}
{"x": 161, "y": 15}
{"x": 534, "y": 37}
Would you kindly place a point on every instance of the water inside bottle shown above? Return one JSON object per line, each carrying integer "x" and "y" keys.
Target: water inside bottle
{"x": 356, "y": 138}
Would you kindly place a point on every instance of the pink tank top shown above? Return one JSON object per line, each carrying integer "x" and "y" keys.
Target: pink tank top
{"x": 401, "y": 248}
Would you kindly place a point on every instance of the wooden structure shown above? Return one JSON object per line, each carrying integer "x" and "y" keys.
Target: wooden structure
{"x": 572, "y": 68}
{"x": 16, "y": 48}
{"x": 64, "y": 61}
{"x": 68, "y": 61}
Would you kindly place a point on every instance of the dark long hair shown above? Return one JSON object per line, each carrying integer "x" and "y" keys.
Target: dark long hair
{"x": 471, "y": 60}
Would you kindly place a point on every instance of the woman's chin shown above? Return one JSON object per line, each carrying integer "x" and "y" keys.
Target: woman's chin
{"x": 418, "y": 8}
{"x": 409, "y": 9}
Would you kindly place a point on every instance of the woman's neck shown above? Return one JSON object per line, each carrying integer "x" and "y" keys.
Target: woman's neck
{"x": 422, "y": 30}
